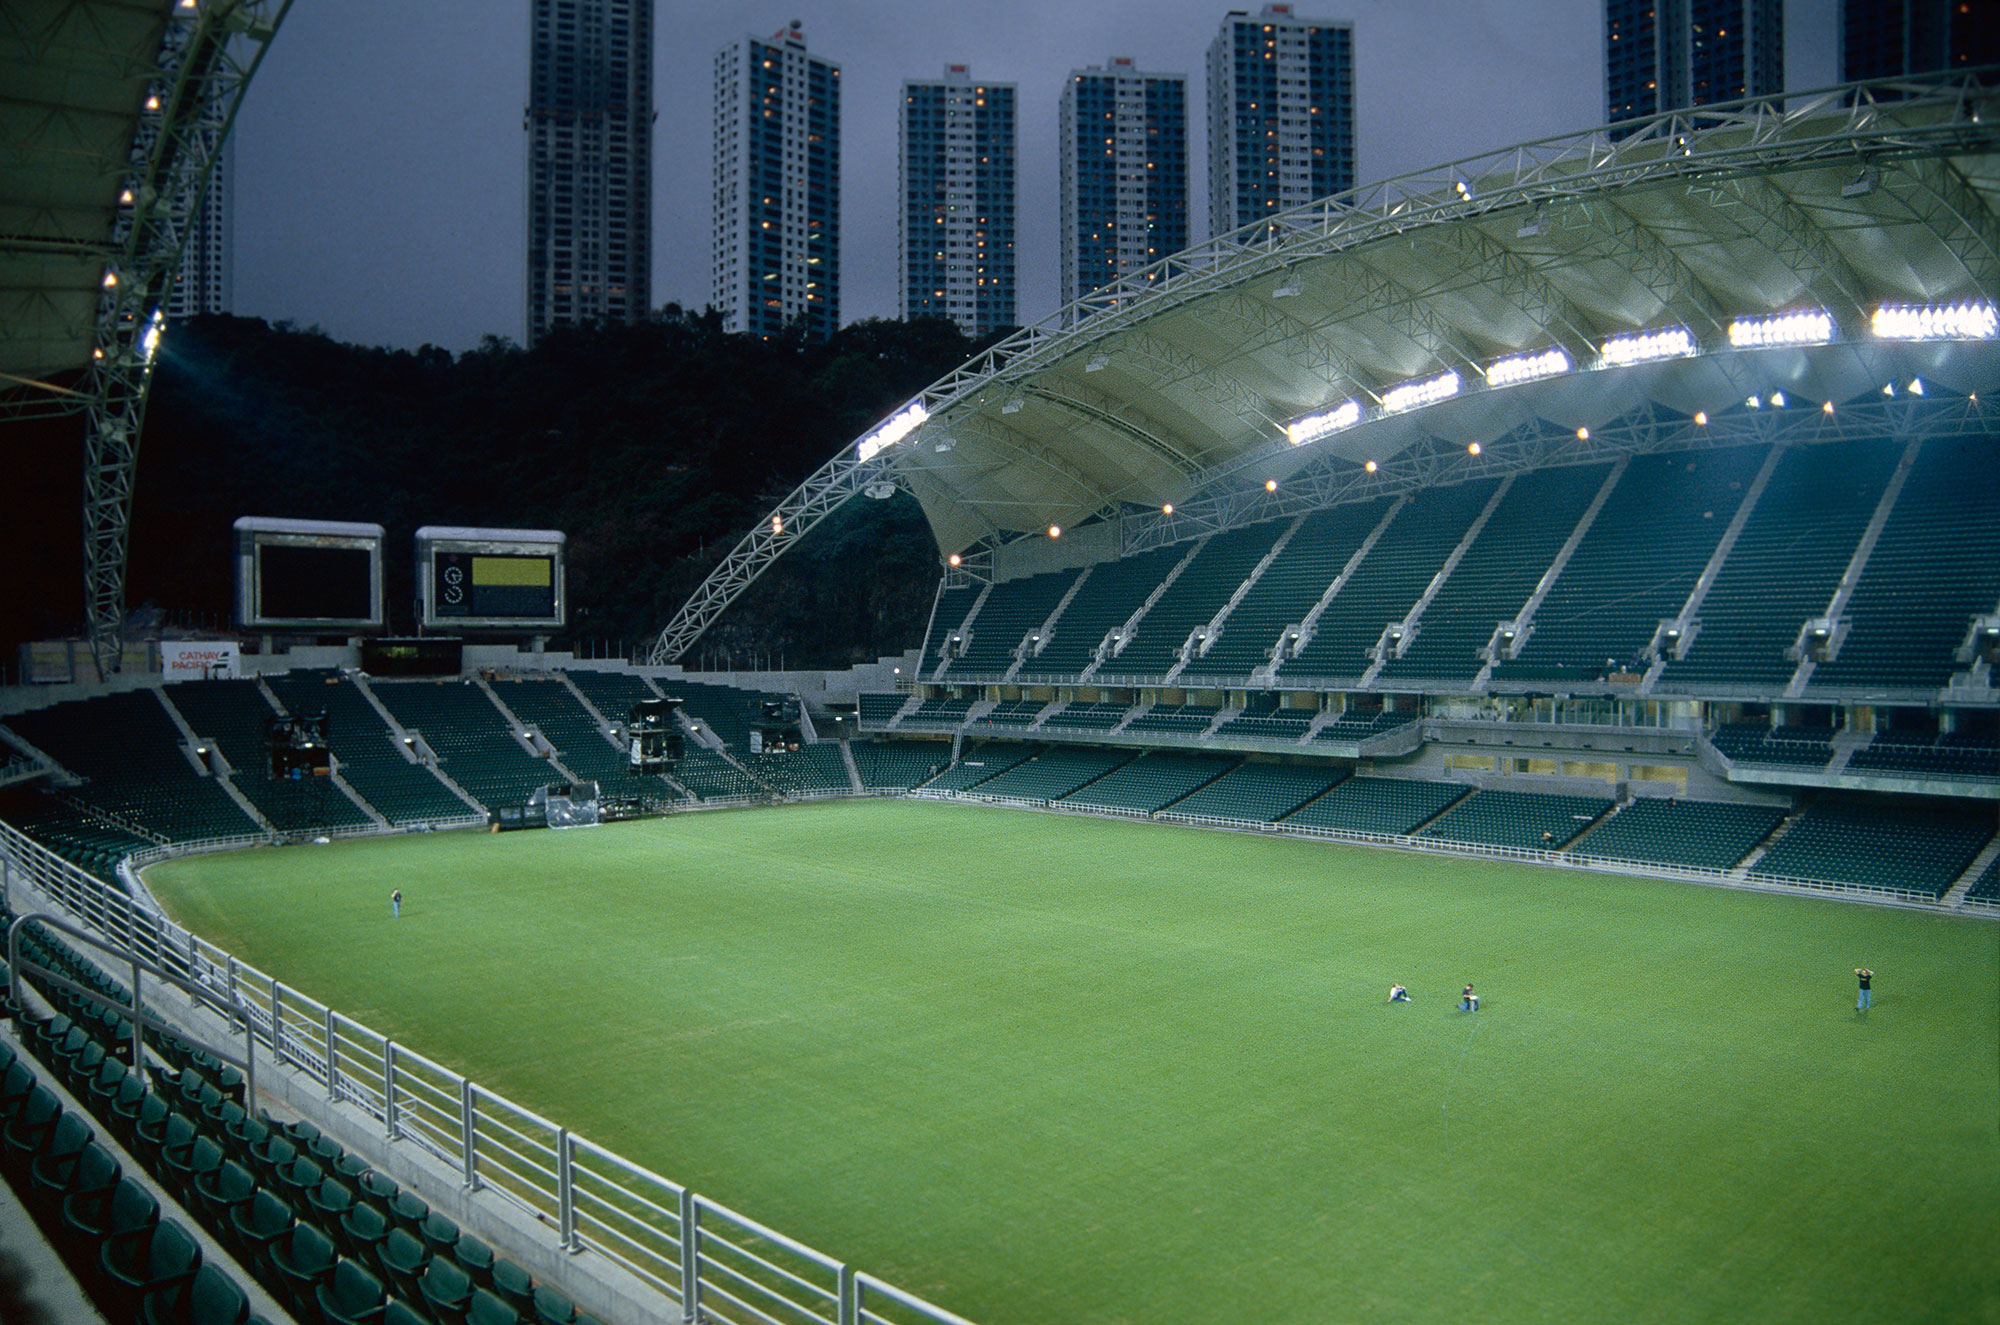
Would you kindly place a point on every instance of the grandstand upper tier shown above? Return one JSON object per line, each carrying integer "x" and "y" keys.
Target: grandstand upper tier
{"x": 1566, "y": 301}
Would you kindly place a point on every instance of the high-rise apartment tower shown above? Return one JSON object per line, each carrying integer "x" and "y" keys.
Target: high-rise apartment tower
{"x": 776, "y": 250}
{"x": 1124, "y": 173}
{"x": 1662, "y": 55}
{"x": 957, "y": 221}
{"x": 590, "y": 162}
{"x": 1280, "y": 114}
{"x": 1891, "y": 38}
{"x": 202, "y": 285}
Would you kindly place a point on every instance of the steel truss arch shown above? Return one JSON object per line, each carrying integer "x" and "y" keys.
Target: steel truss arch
{"x": 210, "y": 51}
{"x": 1568, "y": 240}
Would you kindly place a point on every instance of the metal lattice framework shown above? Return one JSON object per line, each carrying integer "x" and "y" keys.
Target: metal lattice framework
{"x": 1174, "y": 385}
{"x": 206, "y": 62}
{"x": 111, "y": 120}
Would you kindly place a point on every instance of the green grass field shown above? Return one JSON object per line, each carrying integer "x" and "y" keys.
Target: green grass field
{"x": 1046, "y": 1068}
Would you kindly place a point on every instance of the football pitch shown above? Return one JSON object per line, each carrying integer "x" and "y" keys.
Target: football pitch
{"x": 1045, "y": 1068}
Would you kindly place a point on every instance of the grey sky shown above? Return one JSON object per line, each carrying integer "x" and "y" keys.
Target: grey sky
{"x": 380, "y": 159}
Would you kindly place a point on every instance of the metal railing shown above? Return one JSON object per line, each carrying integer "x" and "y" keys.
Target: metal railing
{"x": 718, "y": 1265}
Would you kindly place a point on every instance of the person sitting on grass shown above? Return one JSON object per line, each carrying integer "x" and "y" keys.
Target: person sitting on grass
{"x": 1468, "y": 1001}
{"x": 1398, "y": 994}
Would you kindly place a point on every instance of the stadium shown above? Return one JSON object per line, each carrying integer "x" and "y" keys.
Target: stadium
{"x": 1567, "y": 573}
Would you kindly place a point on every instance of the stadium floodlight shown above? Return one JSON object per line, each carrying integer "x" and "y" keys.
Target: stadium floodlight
{"x": 149, "y": 342}
{"x": 1013, "y": 405}
{"x": 1312, "y": 427}
{"x": 1808, "y": 326}
{"x": 1291, "y": 289}
{"x": 1646, "y": 346}
{"x": 1971, "y": 319}
{"x": 892, "y": 430}
{"x": 1421, "y": 391}
{"x": 1916, "y": 386}
{"x": 1516, "y": 368}
{"x": 1097, "y": 363}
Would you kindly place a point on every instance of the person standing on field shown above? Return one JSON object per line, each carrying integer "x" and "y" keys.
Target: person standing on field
{"x": 1866, "y": 1000}
{"x": 396, "y": 904}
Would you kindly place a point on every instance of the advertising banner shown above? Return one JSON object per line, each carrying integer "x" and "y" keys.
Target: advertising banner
{"x": 196, "y": 660}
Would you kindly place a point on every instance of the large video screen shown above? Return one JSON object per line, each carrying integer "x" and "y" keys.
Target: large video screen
{"x": 308, "y": 575}
{"x": 490, "y": 579}
{"x": 471, "y": 584}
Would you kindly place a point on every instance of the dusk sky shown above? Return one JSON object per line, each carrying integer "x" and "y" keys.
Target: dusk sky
{"x": 381, "y": 162}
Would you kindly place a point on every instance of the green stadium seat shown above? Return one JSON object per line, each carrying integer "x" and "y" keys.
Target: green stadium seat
{"x": 486, "y": 1309}
{"x": 255, "y": 1228}
{"x": 362, "y": 1231}
{"x": 91, "y": 1172}
{"x": 512, "y": 1286}
{"x": 475, "y": 1258}
{"x": 211, "y": 1298}
{"x": 447, "y": 1292}
{"x": 438, "y": 1233}
{"x": 349, "y": 1295}
{"x": 402, "y": 1257}
{"x": 221, "y": 1190}
{"x": 159, "y": 1257}
{"x": 302, "y": 1258}
{"x": 552, "y": 1307}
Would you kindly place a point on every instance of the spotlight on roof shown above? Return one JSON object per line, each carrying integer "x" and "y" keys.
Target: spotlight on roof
{"x": 1916, "y": 386}
{"x": 1646, "y": 346}
{"x": 1806, "y": 326}
{"x": 1701, "y": 418}
{"x": 1371, "y": 466}
{"x": 1531, "y": 227}
{"x": 892, "y": 430}
{"x": 1754, "y": 403}
{"x": 1055, "y": 531}
{"x": 879, "y": 491}
{"x": 1583, "y": 434}
{"x": 1473, "y": 449}
{"x": 1097, "y": 363}
{"x": 1971, "y": 319}
{"x": 1863, "y": 183}
{"x": 1312, "y": 427}
{"x": 1270, "y": 485}
{"x": 955, "y": 559}
{"x": 1167, "y": 509}
{"x": 1421, "y": 391}
{"x": 1290, "y": 289}
{"x": 1777, "y": 400}
{"x": 1013, "y": 405}
{"x": 1527, "y": 367}
{"x": 1827, "y": 408}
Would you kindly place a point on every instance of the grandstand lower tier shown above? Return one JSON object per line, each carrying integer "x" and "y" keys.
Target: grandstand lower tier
{"x": 1784, "y": 803}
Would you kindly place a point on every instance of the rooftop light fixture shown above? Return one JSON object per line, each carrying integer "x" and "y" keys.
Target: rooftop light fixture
{"x": 892, "y": 430}
{"x": 1646, "y": 346}
{"x": 1289, "y": 289}
{"x": 1097, "y": 363}
{"x": 1421, "y": 391}
{"x": 1013, "y": 405}
{"x": 1970, "y": 319}
{"x": 1809, "y": 326}
{"x": 1312, "y": 427}
{"x": 1517, "y": 368}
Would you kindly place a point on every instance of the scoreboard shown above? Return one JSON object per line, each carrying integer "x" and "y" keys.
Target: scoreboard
{"x": 494, "y": 579}
{"x": 308, "y": 575}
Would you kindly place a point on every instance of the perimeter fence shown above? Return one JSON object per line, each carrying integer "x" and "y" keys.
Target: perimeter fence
{"x": 714, "y": 1263}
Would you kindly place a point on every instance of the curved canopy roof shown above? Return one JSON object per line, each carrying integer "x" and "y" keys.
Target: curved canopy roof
{"x": 74, "y": 78}
{"x": 1180, "y": 382}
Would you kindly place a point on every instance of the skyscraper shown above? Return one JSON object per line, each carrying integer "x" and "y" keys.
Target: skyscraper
{"x": 1890, "y": 38}
{"x": 1662, "y": 55}
{"x": 202, "y": 285}
{"x": 1124, "y": 173}
{"x": 776, "y": 253}
{"x": 957, "y": 220}
{"x": 1280, "y": 114}
{"x": 590, "y": 162}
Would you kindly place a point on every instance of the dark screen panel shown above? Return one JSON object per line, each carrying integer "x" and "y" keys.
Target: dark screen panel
{"x": 314, "y": 583}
